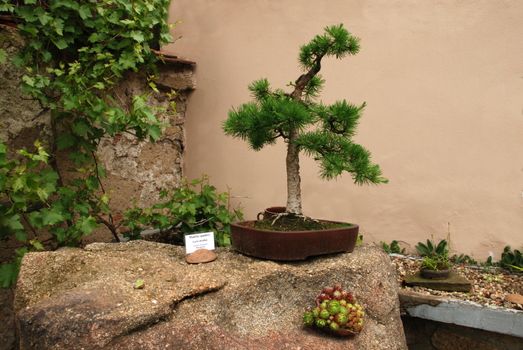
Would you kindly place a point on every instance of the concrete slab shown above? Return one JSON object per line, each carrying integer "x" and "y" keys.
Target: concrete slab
{"x": 454, "y": 283}
{"x": 463, "y": 313}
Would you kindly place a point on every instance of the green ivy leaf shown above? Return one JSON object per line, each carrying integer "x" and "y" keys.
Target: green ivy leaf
{"x": 46, "y": 56}
{"x": 58, "y": 24}
{"x": 81, "y": 128}
{"x": 154, "y": 132}
{"x": 99, "y": 85}
{"x": 36, "y": 244}
{"x": 104, "y": 199}
{"x": 19, "y": 183}
{"x": 51, "y": 217}
{"x": 8, "y": 274}
{"x": 21, "y": 236}
{"x": 59, "y": 43}
{"x": 43, "y": 193}
{"x": 137, "y": 36}
{"x": 60, "y": 234}
{"x": 87, "y": 224}
{"x": 43, "y": 16}
{"x": 6, "y": 7}
{"x": 84, "y": 11}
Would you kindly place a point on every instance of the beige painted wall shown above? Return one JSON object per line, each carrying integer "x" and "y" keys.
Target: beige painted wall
{"x": 444, "y": 85}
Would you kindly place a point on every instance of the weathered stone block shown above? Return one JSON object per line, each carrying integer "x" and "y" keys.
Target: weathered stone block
{"x": 178, "y": 77}
{"x": 77, "y": 298}
{"x": 22, "y": 119}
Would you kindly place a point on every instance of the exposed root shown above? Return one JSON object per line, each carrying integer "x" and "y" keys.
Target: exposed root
{"x": 292, "y": 215}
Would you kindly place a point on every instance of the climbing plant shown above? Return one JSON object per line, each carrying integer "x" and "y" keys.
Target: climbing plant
{"x": 194, "y": 206}
{"x": 75, "y": 54}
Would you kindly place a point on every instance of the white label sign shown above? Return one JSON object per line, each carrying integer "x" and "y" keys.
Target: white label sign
{"x": 204, "y": 240}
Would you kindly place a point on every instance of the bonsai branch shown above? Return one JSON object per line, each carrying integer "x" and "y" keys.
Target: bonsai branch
{"x": 304, "y": 79}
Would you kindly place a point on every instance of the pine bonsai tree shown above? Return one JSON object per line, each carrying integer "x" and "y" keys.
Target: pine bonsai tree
{"x": 306, "y": 124}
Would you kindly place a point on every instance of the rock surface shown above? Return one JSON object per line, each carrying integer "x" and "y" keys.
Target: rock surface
{"x": 201, "y": 256}
{"x": 454, "y": 283}
{"x": 74, "y": 298}
{"x": 22, "y": 119}
{"x": 7, "y": 320}
{"x": 430, "y": 335}
{"x": 515, "y": 298}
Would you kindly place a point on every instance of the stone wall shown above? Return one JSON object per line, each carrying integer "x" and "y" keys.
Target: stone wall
{"x": 22, "y": 119}
{"x": 136, "y": 169}
{"x": 84, "y": 298}
{"x": 430, "y": 335}
{"x": 139, "y": 169}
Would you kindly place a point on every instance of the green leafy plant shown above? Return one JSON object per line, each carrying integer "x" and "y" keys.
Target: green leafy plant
{"x": 490, "y": 262}
{"x": 435, "y": 263}
{"x": 463, "y": 259}
{"x": 76, "y": 52}
{"x": 431, "y": 249}
{"x": 9, "y": 272}
{"x": 306, "y": 125}
{"x": 392, "y": 248}
{"x": 35, "y": 201}
{"x": 511, "y": 259}
{"x": 435, "y": 257}
{"x": 195, "y": 206}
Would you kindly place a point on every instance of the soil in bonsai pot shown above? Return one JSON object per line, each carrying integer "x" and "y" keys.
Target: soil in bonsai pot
{"x": 296, "y": 223}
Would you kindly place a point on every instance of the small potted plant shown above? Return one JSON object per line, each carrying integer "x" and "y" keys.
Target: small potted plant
{"x": 436, "y": 263}
{"x": 435, "y": 267}
{"x": 308, "y": 126}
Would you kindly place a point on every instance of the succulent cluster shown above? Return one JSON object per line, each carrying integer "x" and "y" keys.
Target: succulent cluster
{"x": 336, "y": 311}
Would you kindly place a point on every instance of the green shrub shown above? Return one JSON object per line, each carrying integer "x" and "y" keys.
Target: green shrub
{"x": 195, "y": 206}
{"x": 435, "y": 262}
{"x": 511, "y": 260}
{"x": 463, "y": 259}
{"x": 430, "y": 249}
{"x": 392, "y": 248}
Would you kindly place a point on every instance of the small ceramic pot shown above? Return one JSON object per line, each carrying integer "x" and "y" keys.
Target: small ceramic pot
{"x": 435, "y": 274}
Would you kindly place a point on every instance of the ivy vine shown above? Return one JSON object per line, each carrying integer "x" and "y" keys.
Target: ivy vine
{"x": 76, "y": 52}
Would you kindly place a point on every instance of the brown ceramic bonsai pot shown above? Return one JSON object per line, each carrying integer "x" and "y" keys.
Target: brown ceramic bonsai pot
{"x": 435, "y": 274}
{"x": 271, "y": 212}
{"x": 291, "y": 245}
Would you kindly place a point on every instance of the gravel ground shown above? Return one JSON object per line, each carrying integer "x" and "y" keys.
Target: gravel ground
{"x": 489, "y": 285}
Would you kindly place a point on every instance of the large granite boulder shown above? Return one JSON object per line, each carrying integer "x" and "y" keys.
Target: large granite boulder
{"x": 87, "y": 299}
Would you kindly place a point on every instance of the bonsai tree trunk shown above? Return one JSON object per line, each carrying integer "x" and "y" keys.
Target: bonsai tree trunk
{"x": 293, "y": 151}
{"x": 293, "y": 175}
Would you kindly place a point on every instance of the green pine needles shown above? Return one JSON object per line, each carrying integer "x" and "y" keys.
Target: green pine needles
{"x": 321, "y": 131}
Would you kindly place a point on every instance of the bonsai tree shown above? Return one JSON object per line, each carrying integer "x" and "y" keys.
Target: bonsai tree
{"x": 307, "y": 125}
